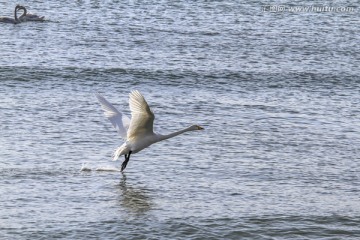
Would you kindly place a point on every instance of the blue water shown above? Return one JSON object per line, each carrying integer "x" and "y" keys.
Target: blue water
{"x": 277, "y": 94}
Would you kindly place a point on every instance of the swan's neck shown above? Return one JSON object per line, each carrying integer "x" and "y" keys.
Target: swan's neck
{"x": 15, "y": 14}
{"x": 174, "y": 134}
{"x": 22, "y": 15}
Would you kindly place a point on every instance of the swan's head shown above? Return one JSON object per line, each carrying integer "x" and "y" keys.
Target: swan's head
{"x": 19, "y": 7}
{"x": 196, "y": 127}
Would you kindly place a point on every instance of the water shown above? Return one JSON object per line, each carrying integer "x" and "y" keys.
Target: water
{"x": 277, "y": 93}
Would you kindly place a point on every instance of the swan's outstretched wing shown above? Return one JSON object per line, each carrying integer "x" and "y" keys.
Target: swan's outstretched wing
{"x": 142, "y": 119}
{"x": 119, "y": 121}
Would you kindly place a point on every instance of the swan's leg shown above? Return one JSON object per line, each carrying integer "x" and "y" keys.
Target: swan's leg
{"x": 123, "y": 165}
{"x": 127, "y": 158}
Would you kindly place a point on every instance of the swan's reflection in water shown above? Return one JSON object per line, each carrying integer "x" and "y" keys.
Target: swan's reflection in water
{"x": 134, "y": 199}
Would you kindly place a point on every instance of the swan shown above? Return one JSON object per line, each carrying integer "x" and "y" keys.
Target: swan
{"x": 14, "y": 20}
{"x": 29, "y": 17}
{"x": 138, "y": 131}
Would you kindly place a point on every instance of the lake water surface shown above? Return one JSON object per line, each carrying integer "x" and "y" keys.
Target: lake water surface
{"x": 277, "y": 94}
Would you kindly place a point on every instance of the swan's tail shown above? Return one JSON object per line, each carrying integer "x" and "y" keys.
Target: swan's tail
{"x": 119, "y": 151}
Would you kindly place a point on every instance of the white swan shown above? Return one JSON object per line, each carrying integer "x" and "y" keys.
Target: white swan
{"x": 138, "y": 132}
{"x": 14, "y": 20}
{"x": 29, "y": 17}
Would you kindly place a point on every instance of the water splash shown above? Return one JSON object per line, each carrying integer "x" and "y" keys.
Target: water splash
{"x": 86, "y": 168}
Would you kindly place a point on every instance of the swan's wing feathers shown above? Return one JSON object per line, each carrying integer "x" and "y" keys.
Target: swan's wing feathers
{"x": 138, "y": 104}
{"x": 142, "y": 118}
{"x": 119, "y": 121}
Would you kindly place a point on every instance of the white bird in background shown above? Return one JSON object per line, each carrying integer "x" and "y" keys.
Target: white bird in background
{"x": 14, "y": 20}
{"x": 29, "y": 17}
{"x": 138, "y": 132}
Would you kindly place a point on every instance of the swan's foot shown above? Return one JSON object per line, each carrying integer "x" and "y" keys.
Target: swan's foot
{"x": 127, "y": 158}
{"x": 123, "y": 165}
